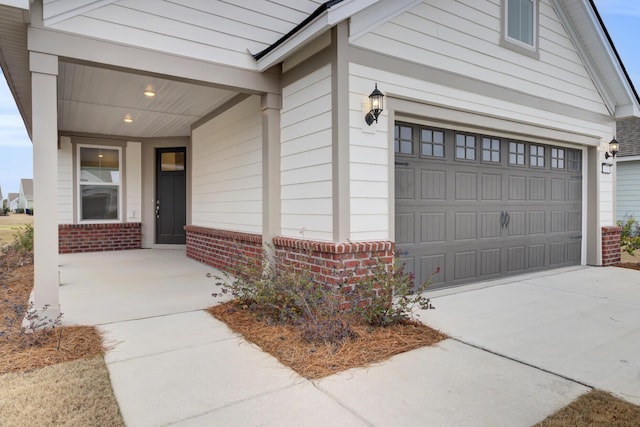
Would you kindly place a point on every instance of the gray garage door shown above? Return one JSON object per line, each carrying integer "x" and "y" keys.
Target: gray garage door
{"x": 474, "y": 207}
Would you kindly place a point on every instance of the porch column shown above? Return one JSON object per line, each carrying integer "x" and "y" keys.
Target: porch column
{"x": 271, "y": 104}
{"x": 44, "y": 72}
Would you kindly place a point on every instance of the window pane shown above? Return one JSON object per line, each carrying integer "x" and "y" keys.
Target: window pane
{"x": 406, "y": 132}
{"x": 427, "y": 150}
{"x": 520, "y": 16}
{"x": 426, "y": 136}
{"x": 486, "y": 155}
{"x": 406, "y": 147}
{"x": 495, "y": 156}
{"x": 460, "y": 153}
{"x": 99, "y": 165}
{"x": 438, "y": 150}
{"x": 172, "y": 162}
{"x": 99, "y": 202}
{"x": 438, "y": 137}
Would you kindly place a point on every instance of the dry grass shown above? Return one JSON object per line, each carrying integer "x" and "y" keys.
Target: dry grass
{"x": 320, "y": 360}
{"x": 10, "y": 224}
{"x": 596, "y": 409}
{"x": 76, "y": 393}
{"x": 33, "y": 393}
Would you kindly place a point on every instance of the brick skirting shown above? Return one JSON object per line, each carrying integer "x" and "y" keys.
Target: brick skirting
{"x": 221, "y": 248}
{"x": 611, "y": 245}
{"x": 74, "y": 238}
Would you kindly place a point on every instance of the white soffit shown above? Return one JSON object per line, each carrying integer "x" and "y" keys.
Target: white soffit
{"x": 321, "y": 24}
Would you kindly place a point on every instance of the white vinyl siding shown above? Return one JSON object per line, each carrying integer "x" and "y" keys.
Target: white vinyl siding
{"x": 627, "y": 189}
{"x": 306, "y": 162}
{"x": 463, "y": 37}
{"x": 210, "y": 30}
{"x": 65, "y": 181}
{"x": 133, "y": 182}
{"x": 227, "y": 170}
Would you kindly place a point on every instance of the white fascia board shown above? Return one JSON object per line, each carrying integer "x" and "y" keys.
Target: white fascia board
{"x": 322, "y": 23}
{"x": 20, "y": 4}
{"x": 372, "y": 17}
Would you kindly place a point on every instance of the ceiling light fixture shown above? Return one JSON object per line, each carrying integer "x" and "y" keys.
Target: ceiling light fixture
{"x": 149, "y": 92}
{"x": 128, "y": 118}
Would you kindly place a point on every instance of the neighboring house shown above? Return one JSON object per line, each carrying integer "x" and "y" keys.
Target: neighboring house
{"x": 14, "y": 201}
{"x": 26, "y": 194}
{"x": 227, "y": 127}
{"x": 627, "y": 169}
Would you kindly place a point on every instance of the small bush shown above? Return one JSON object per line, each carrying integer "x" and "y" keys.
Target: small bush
{"x": 278, "y": 291}
{"x": 630, "y": 235}
{"x": 23, "y": 241}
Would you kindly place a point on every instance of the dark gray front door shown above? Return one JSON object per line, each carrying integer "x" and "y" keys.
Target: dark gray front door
{"x": 171, "y": 189}
{"x": 474, "y": 207}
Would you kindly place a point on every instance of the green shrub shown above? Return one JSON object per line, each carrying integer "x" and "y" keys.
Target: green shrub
{"x": 630, "y": 235}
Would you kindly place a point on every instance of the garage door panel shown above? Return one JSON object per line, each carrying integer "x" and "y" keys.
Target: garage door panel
{"x": 536, "y": 222}
{"x": 574, "y": 251}
{"x": 491, "y": 187}
{"x": 490, "y": 262}
{"x": 490, "y": 226}
{"x": 558, "y": 221}
{"x": 575, "y": 190}
{"x": 405, "y": 184}
{"x": 517, "y": 187}
{"x": 517, "y": 225}
{"x": 466, "y": 186}
{"x": 466, "y": 226}
{"x": 433, "y": 269}
{"x": 557, "y": 253}
{"x": 574, "y": 222}
{"x": 433, "y": 185}
{"x": 558, "y": 189}
{"x": 537, "y": 188}
{"x": 405, "y": 232}
{"x": 536, "y": 256}
{"x": 516, "y": 258}
{"x": 464, "y": 264}
{"x": 432, "y": 227}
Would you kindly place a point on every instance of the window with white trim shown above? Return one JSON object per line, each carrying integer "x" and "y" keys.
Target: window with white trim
{"x": 520, "y": 26}
{"x": 99, "y": 191}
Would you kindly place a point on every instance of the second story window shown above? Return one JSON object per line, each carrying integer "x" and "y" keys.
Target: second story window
{"x": 520, "y": 26}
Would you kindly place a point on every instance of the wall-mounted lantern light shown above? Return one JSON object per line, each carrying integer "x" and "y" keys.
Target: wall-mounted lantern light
{"x": 614, "y": 147}
{"x": 375, "y": 106}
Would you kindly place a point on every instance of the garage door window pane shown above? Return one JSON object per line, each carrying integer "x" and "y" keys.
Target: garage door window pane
{"x": 403, "y": 141}
{"x": 516, "y": 153}
{"x": 536, "y": 158}
{"x": 557, "y": 158}
{"x": 491, "y": 150}
{"x": 465, "y": 147}
{"x": 431, "y": 143}
{"x": 574, "y": 160}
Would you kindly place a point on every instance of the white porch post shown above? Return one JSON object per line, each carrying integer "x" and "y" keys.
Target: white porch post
{"x": 44, "y": 71}
{"x": 270, "y": 105}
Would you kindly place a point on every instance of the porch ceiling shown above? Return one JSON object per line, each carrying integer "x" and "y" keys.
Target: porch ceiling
{"x": 96, "y": 100}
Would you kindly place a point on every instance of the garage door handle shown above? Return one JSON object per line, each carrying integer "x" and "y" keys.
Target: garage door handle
{"x": 402, "y": 163}
{"x": 506, "y": 225}
{"x": 503, "y": 219}
{"x": 403, "y": 253}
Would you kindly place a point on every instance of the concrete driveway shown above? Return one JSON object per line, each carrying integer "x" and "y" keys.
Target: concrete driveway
{"x": 579, "y": 323}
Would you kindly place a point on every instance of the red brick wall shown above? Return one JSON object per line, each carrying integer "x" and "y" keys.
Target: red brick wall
{"x": 611, "y": 245}
{"x": 222, "y": 248}
{"x": 99, "y": 237}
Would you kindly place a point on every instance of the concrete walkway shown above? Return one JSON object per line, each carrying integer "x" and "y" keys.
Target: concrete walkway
{"x": 173, "y": 364}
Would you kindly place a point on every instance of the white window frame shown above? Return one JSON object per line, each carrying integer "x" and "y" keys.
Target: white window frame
{"x": 78, "y": 185}
{"x": 515, "y": 44}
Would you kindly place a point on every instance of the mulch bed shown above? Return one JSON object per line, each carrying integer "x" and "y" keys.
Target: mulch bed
{"x": 317, "y": 360}
{"x": 631, "y": 265}
{"x": 60, "y": 344}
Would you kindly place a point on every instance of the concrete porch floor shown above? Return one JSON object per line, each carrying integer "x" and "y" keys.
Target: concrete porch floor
{"x": 107, "y": 287}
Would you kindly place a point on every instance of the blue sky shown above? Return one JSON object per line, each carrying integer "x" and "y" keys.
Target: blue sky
{"x": 621, "y": 17}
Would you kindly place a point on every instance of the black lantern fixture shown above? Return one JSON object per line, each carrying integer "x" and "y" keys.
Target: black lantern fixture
{"x": 375, "y": 106}
{"x": 614, "y": 147}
